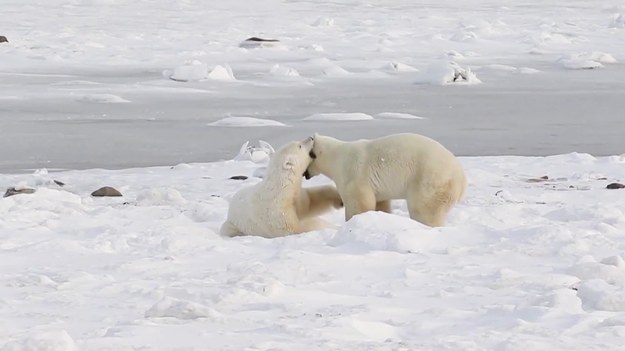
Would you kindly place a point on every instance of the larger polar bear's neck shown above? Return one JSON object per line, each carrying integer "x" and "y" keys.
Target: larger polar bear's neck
{"x": 332, "y": 147}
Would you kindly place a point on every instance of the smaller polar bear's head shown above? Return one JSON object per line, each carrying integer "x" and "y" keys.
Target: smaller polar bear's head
{"x": 293, "y": 157}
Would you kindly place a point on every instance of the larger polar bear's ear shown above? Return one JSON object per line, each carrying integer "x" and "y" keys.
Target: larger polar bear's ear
{"x": 290, "y": 162}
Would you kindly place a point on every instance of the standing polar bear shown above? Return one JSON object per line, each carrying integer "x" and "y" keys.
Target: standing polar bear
{"x": 370, "y": 173}
{"x": 278, "y": 205}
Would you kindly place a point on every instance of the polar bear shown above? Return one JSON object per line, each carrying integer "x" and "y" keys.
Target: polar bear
{"x": 370, "y": 173}
{"x": 278, "y": 205}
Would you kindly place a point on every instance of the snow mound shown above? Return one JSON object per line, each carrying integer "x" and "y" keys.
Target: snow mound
{"x": 189, "y": 71}
{"x": 323, "y": 22}
{"x": 44, "y": 341}
{"x": 282, "y": 71}
{"x": 355, "y": 116}
{"x": 586, "y": 60}
{"x": 246, "y": 122}
{"x": 612, "y": 272}
{"x": 160, "y": 197}
{"x": 500, "y": 67}
{"x": 180, "y": 309}
{"x": 221, "y": 73}
{"x": 102, "y": 99}
{"x": 316, "y": 47}
{"x": 256, "y": 154}
{"x": 528, "y": 70}
{"x": 398, "y": 67}
{"x": 447, "y": 72}
{"x": 618, "y": 21}
{"x": 602, "y": 285}
{"x": 335, "y": 71}
{"x": 396, "y": 115}
{"x": 598, "y": 294}
{"x": 463, "y": 35}
{"x": 380, "y": 231}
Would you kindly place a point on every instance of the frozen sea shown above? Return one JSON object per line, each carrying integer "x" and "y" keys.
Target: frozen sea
{"x": 85, "y": 84}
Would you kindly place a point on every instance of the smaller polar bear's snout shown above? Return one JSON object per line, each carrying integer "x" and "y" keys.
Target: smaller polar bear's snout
{"x": 308, "y": 143}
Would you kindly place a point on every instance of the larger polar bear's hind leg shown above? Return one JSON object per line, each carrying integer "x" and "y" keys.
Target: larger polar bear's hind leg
{"x": 384, "y": 206}
{"x": 430, "y": 205}
{"x": 229, "y": 229}
{"x": 361, "y": 199}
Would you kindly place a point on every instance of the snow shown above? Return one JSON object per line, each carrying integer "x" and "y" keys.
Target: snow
{"x": 542, "y": 268}
{"x": 246, "y": 122}
{"x": 586, "y": 60}
{"x": 445, "y": 73}
{"x": 155, "y": 98}
{"x": 101, "y": 99}
{"x": 194, "y": 70}
{"x": 281, "y": 71}
{"x": 344, "y": 116}
{"x": 396, "y": 115}
{"x": 221, "y": 73}
{"x": 398, "y": 67}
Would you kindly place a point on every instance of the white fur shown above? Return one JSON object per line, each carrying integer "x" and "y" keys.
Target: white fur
{"x": 278, "y": 206}
{"x": 370, "y": 173}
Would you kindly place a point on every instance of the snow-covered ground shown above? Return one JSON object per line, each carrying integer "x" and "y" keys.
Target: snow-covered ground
{"x": 524, "y": 263}
{"x": 126, "y": 83}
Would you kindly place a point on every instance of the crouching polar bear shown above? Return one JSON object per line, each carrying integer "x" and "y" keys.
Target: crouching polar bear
{"x": 278, "y": 205}
{"x": 370, "y": 173}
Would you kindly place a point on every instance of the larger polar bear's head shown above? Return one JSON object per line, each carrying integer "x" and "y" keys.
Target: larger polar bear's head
{"x": 322, "y": 145}
{"x": 293, "y": 157}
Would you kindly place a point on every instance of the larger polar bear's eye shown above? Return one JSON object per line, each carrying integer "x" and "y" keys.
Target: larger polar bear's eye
{"x": 312, "y": 154}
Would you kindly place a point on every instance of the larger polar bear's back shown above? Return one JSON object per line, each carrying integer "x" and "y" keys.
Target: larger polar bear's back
{"x": 397, "y": 160}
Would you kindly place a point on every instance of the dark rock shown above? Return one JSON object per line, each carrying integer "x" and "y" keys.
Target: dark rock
{"x": 13, "y": 191}
{"x": 538, "y": 180}
{"x": 615, "y": 186}
{"x": 239, "y": 177}
{"x": 261, "y": 39}
{"x": 256, "y": 42}
{"x": 59, "y": 183}
{"x": 3, "y": 39}
{"x": 106, "y": 191}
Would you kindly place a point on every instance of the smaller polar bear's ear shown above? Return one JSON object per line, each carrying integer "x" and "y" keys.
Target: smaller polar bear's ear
{"x": 290, "y": 162}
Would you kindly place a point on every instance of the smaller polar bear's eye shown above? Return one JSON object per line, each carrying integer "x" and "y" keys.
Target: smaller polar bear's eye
{"x": 300, "y": 146}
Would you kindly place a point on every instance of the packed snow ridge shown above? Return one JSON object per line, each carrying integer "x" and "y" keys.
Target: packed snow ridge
{"x": 196, "y": 71}
{"x": 246, "y": 122}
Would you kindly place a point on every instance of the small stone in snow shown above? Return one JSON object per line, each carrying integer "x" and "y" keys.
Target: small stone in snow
{"x": 615, "y": 186}
{"x": 261, "y": 39}
{"x": 106, "y": 191}
{"x": 13, "y": 191}
{"x": 3, "y": 39}
{"x": 239, "y": 177}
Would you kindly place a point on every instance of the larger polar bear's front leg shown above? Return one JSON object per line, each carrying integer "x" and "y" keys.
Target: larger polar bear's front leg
{"x": 311, "y": 224}
{"x": 358, "y": 198}
{"x": 317, "y": 200}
